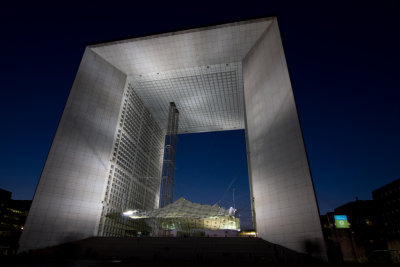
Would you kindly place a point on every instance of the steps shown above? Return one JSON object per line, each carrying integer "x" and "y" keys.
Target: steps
{"x": 193, "y": 249}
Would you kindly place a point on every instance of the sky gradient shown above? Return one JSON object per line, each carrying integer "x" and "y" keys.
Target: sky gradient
{"x": 343, "y": 61}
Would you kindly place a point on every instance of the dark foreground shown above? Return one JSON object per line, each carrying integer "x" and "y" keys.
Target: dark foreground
{"x": 133, "y": 263}
{"x": 150, "y": 251}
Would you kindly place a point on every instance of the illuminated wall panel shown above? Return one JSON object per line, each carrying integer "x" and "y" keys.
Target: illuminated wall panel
{"x": 67, "y": 202}
{"x": 283, "y": 199}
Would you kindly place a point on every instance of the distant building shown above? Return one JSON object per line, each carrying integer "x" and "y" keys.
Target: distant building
{"x": 13, "y": 214}
{"x": 333, "y": 245}
{"x": 361, "y": 215}
{"x": 374, "y": 228}
{"x": 387, "y": 198}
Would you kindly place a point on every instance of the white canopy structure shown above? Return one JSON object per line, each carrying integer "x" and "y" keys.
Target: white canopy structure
{"x": 185, "y": 215}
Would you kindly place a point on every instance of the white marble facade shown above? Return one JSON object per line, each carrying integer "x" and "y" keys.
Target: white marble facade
{"x": 224, "y": 77}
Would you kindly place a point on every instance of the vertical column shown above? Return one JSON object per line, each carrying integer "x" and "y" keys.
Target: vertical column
{"x": 68, "y": 200}
{"x": 284, "y": 205}
{"x": 168, "y": 172}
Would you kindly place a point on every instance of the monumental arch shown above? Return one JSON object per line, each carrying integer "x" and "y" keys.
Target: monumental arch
{"x": 106, "y": 156}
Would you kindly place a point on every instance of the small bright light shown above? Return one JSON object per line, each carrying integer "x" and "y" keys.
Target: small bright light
{"x": 232, "y": 211}
{"x": 129, "y": 212}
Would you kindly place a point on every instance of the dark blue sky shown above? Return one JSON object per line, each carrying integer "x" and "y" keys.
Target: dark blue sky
{"x": 210, "y": 166}
{"x": 343, "y": 60}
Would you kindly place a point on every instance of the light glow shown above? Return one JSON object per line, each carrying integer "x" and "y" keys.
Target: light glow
{"x": 129, "y": 212}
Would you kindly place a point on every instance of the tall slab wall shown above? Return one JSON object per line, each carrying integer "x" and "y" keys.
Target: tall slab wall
{"x": 283, "y": 201}
{"x": 67, "y": 202}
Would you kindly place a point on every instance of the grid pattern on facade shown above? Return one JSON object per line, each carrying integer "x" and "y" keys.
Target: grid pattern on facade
{"x": 135, "y": 168}
{"x": 209, "y": 98}
{"x": 169, "y": 163}
{"x": 186, "y": 49}
{"x": 199, "y": 69}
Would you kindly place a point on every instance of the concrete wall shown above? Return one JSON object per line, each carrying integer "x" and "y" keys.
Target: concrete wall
{"x": 284, "y": 203}
{"x": 67, "y": 202}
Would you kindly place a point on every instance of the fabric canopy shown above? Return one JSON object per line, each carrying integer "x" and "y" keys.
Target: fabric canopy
{"x": 186, "y": 215}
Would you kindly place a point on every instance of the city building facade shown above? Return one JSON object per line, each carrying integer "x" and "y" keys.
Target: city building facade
{"x": 387, "y": 199}
{"x": 13, "y": 214}
{"x": 106, "y": 155}
{"x": 372, "y": 234}
{"x": 363, "y": 231}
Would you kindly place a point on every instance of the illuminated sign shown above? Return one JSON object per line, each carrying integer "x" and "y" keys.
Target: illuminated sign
{"x": 341, "y": 221}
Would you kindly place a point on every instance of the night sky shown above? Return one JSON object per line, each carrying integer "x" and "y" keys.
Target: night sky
{"x": 343, "y": 59}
